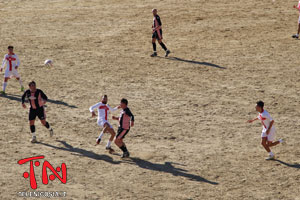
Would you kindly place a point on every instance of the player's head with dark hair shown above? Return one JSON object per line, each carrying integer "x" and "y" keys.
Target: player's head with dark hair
{"x": 124, "y": 103}
{"x": 32, "y": 85}
{"x": 10, "y": 49}
{"x": 104, "y": 99}
{"x": 260, "y": 106}
{"x": 154, "y": 11}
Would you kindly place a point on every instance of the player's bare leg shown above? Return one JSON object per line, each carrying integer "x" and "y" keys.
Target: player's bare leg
{"x": 298, "y": 32}
{"x": 47, "y": 125}
{"x": 21, "y": 84}
{"x": 32, "y": 129}
{"x": 264, "y": 143}
{"x": 4, "y": 85}
{"x": 271, "y": 144}
{"x": 112, "y": 136}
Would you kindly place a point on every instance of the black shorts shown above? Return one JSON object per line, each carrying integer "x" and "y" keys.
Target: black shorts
{"x": 40, "y": 112}
{"x": 122, "y": 133}
{"x": 155, "y": 35}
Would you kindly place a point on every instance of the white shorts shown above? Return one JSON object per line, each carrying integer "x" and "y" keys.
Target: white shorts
{"x": 10, "y": 74}
{"x": 101, "y": 124}
{"x": 270, "y": 136}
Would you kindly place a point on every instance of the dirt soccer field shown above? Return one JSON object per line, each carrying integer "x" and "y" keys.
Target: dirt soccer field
{"x": 190, "y": 139}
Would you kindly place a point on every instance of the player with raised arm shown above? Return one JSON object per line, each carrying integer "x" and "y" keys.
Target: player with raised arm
{"x": 268, "y": 132}
{"x": 12, "y": 63}
{"x": 37, "y": 100}
{"x": 126, "y": 120}
{"x": 157, "y": 34}
{"x": 103, "y": 111}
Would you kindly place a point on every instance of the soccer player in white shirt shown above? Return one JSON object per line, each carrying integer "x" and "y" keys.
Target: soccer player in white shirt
{"x": 12, "y": 63}
{"x": 268, "y": 132}
{"x": 298, "y": 8}
{"x": 103, "y": 111}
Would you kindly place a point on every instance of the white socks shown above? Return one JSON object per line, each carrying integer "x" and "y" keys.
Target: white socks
{"x": 271, "y": 153}
{"x": 108, "y": 144}
{"x": 280, "y": 141}
{"x": 101, "y": 134}
{"x": 33, "y": 134}
{"x": 20, "y": 81}
{"x": 4, "y": 86}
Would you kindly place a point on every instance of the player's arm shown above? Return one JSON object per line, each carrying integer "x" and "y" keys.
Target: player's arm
{"x": 92, "y": 109}
{"x": 115, "y": 118}
{"x": 18, "y": 61}
{"x": 44, "y": 97}
{"x": 271, "y": 124}
{"x": 252, "y": 120}
{"x": 23, "y": 99}
{"x": 3, "y": 63}
{"x": 113, "y": 109}
{"x": 129, "y": 113}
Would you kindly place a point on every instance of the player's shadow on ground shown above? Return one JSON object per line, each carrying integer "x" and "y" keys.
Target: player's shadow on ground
{"x": 194, "y": 62}
{"x": 81, "y": 152}
{"x": 19, "y": 99}
{"x": 167, "y": 167}
{"x": 297, "y": 166}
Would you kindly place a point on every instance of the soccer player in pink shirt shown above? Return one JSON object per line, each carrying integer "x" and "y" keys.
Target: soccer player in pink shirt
{"x": 268, "y": 132}
{"x": 126, "y": 120}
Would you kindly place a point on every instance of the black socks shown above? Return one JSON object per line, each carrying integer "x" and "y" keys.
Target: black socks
{"x": 123, "y": 148}
{"x": 154, "y": 46}
{"x": 163, "y": 46}
{"x": 32, "y": 128}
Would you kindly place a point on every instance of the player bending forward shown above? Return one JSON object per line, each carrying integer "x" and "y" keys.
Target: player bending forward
{"x": 298, "y": 8}
{"x": 103, "y": 111}
{"x": 157, "y": 34}
{"x": 37, "y": 99}
{"x": 268, "y": 132}
{"x": 126, "y": 120}
{"x": 12, "y": 63}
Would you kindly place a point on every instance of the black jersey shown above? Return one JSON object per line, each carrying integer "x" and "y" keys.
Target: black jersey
{"x": 35, "y": 98}
{"x": 156, "y": 21}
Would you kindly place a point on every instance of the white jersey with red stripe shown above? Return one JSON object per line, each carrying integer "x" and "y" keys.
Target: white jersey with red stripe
{"x": 11, "y": 61}
{"x": 265, "y": 119}
{"x": 103, "y": 111}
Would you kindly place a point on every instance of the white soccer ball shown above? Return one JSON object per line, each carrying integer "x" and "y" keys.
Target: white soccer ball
{"x": 48, "y": 62}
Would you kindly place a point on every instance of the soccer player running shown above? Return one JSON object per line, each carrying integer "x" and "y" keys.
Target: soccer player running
{"x": 103, "y": 111}
{"x": 12, "y": 63}
{"x": 37, "y": 100}
{"x": 298, "y": 8}
{"x": 126, "y": 120}
{"x": 157, "y": 34}
{"x": 268, "y": 132}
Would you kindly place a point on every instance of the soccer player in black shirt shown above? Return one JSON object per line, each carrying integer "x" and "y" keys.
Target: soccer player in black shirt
{"x": 157, "y": 34}
{"x": 126, "y": 120}
{"x": 37, "y": 99}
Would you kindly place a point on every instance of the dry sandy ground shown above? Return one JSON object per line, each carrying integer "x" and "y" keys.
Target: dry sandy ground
{"x": 190, "y": 139}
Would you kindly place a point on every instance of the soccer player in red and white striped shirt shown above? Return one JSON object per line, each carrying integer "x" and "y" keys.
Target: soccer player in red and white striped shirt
{"x": 268, "y": 132}
{"x": 103, "y": 111}
{"x": 12, "y": 63}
